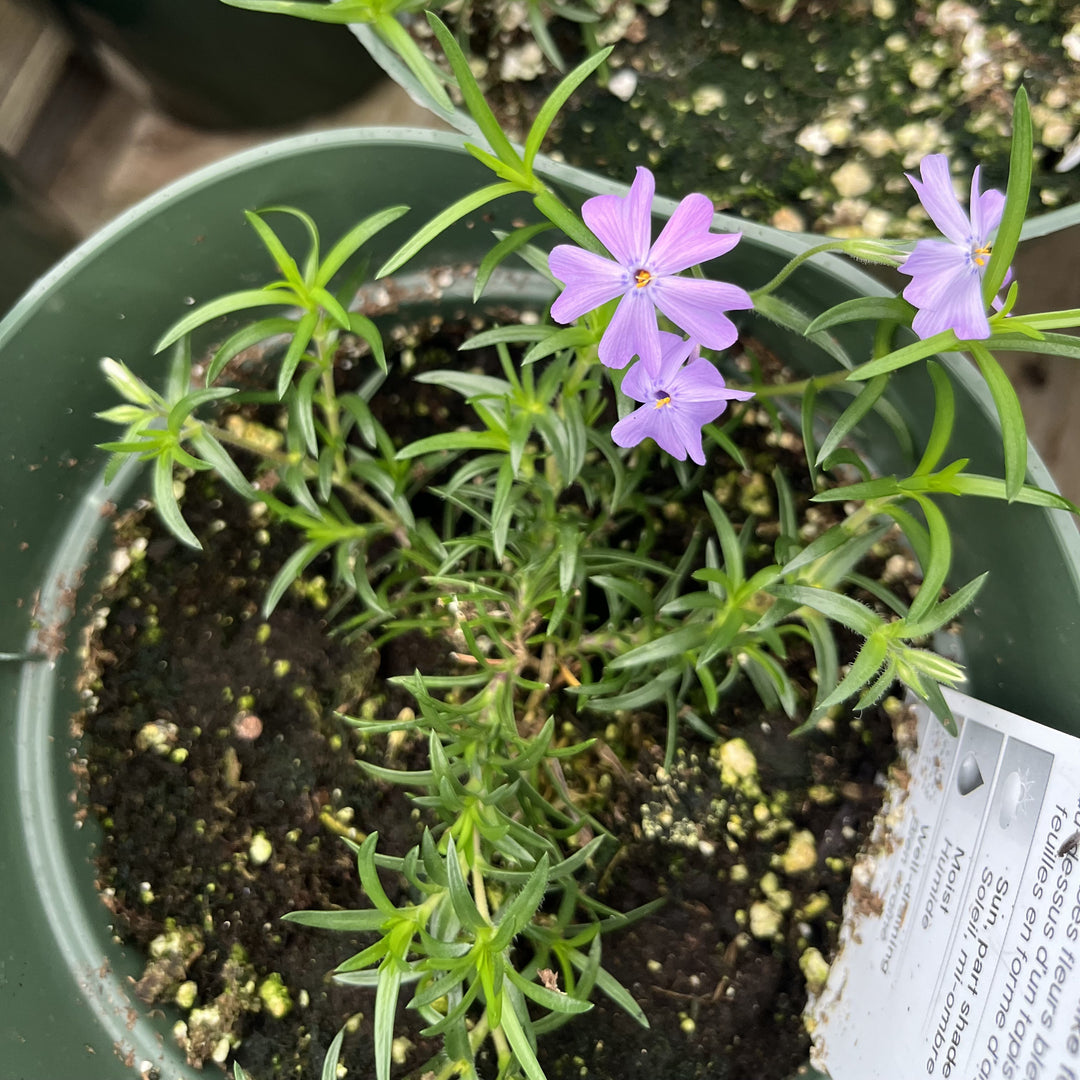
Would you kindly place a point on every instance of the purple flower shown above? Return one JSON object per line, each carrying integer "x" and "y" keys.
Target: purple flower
{"x": 679, "y": 398}
{"x": 946, "y": 275}
{"x": 645, "y": 276}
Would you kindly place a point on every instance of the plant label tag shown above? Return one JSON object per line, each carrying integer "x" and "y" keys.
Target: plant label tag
{"x": 960, "y": 949}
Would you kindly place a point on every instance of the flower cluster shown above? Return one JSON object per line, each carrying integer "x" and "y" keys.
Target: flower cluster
{"x": 679, "y": 390}
{"x": 678, "y": 399}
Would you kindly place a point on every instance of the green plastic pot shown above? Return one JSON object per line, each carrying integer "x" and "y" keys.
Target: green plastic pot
{"x": 67, "y": 1008}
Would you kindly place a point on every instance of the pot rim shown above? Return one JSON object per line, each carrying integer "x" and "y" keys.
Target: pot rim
{"x": 297, "y": 145}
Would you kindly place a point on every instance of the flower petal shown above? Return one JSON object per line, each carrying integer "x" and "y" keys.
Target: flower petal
{"x": 674, "y": 351}
{"x": 623, "y": 224}
{"x": 632, "y": 331}
{"x": 633, "y": 428}
{"x": 644, "y": 381}
{"x": 698, "y": 307}
{"x": 639, "y": 382}
{"x": 986, "y": 209}
{"x": 935, "y": 267}
{"x": 961, "y": 311}
{"x": 686, "y": 241}
{"x": 936, "y": 193}
{"x": 590, "y": 280}
{"x": 686, "y": 434}
{"x": 697, "y": 395}
{"x": 999, "y": 301}
{"x": 700, "y": 386}
{"x": 665, "y": 431}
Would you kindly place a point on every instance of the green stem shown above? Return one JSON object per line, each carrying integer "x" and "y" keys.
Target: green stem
{"x": 883, "y": 338}
{"x": 503, "y": 1052}
{"x": 502, "y": 1047}
{"x": 866, "y": 513}
{"x": 277, "y": 457}
{"x": 274, "y": 457}
{"x": 584, "y": 359}
{"x": 479, "y": 1032}
{"x": 331, "y": 412}
{"x": 797, "y": 389}
{"x": 479, "y": 892}
{"x": 787, "y": 271}
{"x": 562, "y": 217}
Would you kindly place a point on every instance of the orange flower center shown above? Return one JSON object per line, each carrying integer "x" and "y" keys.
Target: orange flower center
{"x": 662, "y": 399}
{"x": 642, "y": 278}
{"x": 980, "y": 254}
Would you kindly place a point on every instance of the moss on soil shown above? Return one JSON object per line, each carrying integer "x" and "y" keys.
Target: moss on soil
{"x": 805, "y": 114}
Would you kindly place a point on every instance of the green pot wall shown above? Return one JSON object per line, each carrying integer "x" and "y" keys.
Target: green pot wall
{"x": 65, "y": 1002}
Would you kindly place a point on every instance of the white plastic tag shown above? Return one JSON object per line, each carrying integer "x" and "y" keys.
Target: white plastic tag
{"x": 960, "y": 950}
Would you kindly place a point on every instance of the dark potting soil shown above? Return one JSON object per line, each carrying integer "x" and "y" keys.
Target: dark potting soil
{"x": 224, "y": 783}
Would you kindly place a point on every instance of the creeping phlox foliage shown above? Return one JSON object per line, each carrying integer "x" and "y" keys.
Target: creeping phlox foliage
{"x": 501, "y": 939}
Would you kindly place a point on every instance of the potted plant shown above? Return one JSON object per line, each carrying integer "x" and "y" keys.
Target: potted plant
{"x": 197, "y": 229}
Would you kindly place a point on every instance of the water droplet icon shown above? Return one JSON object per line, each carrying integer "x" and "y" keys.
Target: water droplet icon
{"x": 969, "y": 776}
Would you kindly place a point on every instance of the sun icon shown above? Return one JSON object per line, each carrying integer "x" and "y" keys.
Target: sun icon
{"x": 1016, "y": 797}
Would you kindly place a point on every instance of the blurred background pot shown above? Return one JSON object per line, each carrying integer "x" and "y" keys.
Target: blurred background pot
{"x": 33, "y": 235}
{"x": 214, "y": 66}
{"x": 68, "y": 1005}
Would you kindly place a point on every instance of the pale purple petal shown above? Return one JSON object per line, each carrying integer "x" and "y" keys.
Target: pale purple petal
{"x": 939, "y": 199}
{"x": 632, "y": 331}
{"x": 674, "y": 352}
{"x": 638, "y": 381}
{"x": 700, "y": 386}
{"x": 999, "y": 301}
{"x": 633, "y": 428}
{"x": 962, "y": 311}
{"x": 645, "y": 382}
{"x": 946, "y": 283}
{"x": 695, "y": 395}
{"x": 663, "y": 428}
{"x": 702, "y": 409}
{"x": 675, "y": 434}
{"x": 986, "y": 210}
{"x": 591, "y": 280}
{"x": 698, "y": 307}
{"x": 686, "y": 241}
{"x": 686, "y": 431}
{"x": 623, "y": 224}
{"x": 935, "y": 266}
